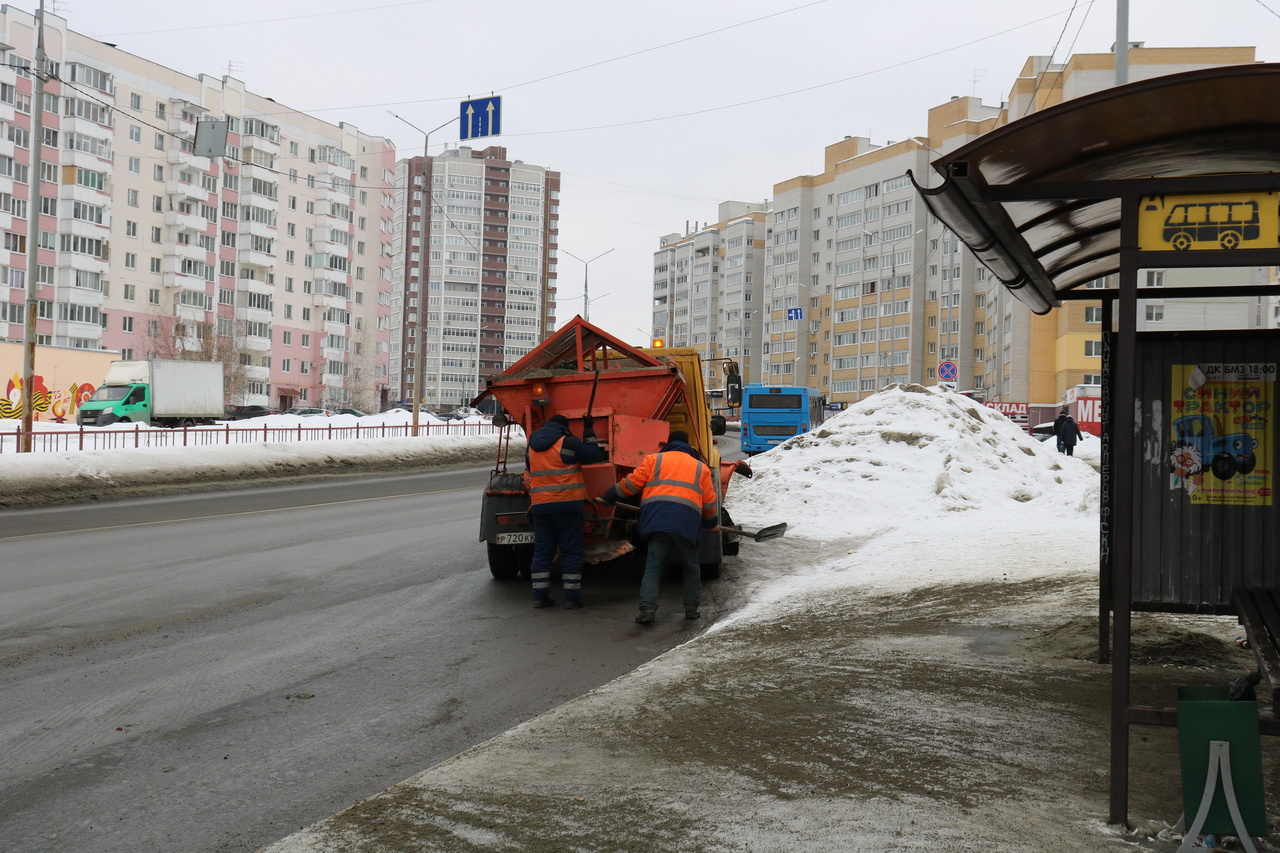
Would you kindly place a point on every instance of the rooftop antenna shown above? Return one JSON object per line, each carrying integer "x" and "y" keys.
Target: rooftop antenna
{"x": 234, "y": 67}
{"x": 978, "y": 74}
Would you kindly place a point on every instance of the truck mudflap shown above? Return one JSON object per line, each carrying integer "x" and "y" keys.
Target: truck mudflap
{"x": 505, "y": 527}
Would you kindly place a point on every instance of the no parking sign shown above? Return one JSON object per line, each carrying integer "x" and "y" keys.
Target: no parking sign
{"x": 947, "y": 371}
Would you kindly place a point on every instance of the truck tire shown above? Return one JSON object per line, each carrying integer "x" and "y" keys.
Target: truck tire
{"x": 729, "y": 541}
{"x": 508, "y": 562}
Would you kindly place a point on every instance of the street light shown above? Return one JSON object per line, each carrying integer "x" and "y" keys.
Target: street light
{"x": 422, "y": 267}
{"x": 873, "y": 239}
{"x": 586, "y": 265}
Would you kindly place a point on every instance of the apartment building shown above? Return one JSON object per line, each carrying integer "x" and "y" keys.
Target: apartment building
{"x": 1034, "y": 359}
{"x": 863, "y": 288}
{"x": 474, "y": 267}
{"x": 274, "y": 258}
{"x": 706, "y": 290}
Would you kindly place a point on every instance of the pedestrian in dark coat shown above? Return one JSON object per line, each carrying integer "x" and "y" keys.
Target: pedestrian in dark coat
{"x": 1062, "y": 418}
{"x": 1069, "y": 435}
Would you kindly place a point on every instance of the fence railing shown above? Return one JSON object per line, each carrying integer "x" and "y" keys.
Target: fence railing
{"x": 138, "y": 436}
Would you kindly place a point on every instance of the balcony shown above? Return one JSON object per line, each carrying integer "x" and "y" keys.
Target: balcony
{"x": 186, "y": 221}
{"x": 188, "y": 251}
{"x": 252, "y": 285}
{"x": 186, "y": 189}
{"x": 333, "y": 380}
{"x": 257, "y": 229}
{"x": 178, "y": 157}
{"x": 325, "y": 300}
{"x": 256, "y": 372}
{"x": 256, "y": 343}
{"x": 253, "y": 315}
{"x": 339, "y": 329}
{"x": 185, "y": 281}
{"x": 248, "y": 257}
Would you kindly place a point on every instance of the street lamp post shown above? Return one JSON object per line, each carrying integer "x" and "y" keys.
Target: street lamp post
{"x": 893, "y": 274}
{"x": 422, "y": 267}
{"x": 586, "y": 265}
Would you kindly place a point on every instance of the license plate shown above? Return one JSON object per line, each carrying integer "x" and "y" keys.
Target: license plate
{"x": 515, "y": 538}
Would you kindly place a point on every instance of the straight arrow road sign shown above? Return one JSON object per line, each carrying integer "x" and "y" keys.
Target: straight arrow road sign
{"x": 481, "y": 117}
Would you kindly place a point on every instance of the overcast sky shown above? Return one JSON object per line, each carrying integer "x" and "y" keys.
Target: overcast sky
{"x": 654, "y": 111}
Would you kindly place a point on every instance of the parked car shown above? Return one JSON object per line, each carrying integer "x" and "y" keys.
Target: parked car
{"x": 240, "y": 413}
{"x": 356, "y": 412}
{"x": 308, "y": 412}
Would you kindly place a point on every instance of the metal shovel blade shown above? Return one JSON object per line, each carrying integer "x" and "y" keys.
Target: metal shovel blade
{"x": 764, "y": 534}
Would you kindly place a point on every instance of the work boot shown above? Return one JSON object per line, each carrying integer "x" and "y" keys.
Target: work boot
{"x": 541, "y": 603}
{"x": 691, "y": 611}
{"x": 572, "y": 605}
{"x": 646, "y": 617}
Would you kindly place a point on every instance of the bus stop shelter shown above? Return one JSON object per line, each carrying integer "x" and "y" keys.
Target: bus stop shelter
{"x": 1174, "y": 172}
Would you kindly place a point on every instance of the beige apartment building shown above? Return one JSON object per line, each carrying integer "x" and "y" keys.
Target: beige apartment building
{"x": 274, "y": 258}
{"x": 487, "y": 242}
{"x": 706, "y": 290}
{"x": 863, "y": 288}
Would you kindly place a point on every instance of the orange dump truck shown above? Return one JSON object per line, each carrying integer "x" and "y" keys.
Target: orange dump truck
{"x": 635, "y": 397}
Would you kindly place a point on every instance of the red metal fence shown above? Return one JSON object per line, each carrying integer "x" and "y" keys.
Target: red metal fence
{"x": 137, "y": 436}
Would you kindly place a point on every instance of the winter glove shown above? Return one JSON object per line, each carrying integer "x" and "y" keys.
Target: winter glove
{"x": 710, "y": 523}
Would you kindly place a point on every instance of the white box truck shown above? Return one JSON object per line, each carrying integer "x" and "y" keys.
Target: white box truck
{"x": 162, "y": 392}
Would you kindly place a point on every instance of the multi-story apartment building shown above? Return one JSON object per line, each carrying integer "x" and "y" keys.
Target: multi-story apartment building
{"x": 863, "y": 288}
{"x": 273, "y": 258}
{"x": 487, "y": 241}
{"x": 1034, "y": 359}
{"x": 706, "y": 289}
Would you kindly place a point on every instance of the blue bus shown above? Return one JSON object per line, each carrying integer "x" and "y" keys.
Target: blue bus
{"x": 773, "y": 413}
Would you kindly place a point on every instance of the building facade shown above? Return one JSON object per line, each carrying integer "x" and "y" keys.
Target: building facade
{"x": 475, "y": 270}
{"x": 274, "y": 258}
{"x": 706, "y": 290}
{"x": 863, "y": 288}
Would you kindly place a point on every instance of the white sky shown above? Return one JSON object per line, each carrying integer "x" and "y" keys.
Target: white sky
{"x": 870, "y": 69}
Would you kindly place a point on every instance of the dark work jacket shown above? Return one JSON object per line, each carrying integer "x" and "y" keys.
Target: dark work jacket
{"x": 669, "y": 516}
{"x": 574, "y": 451}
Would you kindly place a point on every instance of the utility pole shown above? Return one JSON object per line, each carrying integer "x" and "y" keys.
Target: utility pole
{"x": 33, "y": 237}
{"x": 420, "y": 361}
{"x": 586, "y": 265}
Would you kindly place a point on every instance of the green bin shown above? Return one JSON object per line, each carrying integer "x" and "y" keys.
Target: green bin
{"x": 1205, "y": 715}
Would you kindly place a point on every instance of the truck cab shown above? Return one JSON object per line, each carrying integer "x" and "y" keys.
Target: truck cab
{"x": 112, "y": 404}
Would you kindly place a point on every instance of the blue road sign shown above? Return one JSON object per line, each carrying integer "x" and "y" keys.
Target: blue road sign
{"x": 795, "y": 313}
{"x": 480, "y": 117}
{"x": 947, "y": 371}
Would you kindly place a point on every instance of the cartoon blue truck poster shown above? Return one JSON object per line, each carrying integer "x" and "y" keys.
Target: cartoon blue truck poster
{"x": 1219, "y": 434}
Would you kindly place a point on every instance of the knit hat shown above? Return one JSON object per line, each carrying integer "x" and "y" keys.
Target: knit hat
{"x": 679, "y": 435}
{"x": 558, "y": 419}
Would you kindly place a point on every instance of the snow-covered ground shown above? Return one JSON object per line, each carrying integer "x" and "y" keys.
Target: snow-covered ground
{"x": 903, "y": 672}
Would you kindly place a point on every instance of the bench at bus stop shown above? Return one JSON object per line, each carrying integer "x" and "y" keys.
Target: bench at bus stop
{"x": 1258, "y": 609}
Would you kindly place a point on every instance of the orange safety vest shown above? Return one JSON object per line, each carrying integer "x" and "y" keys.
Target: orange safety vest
{"x": 676, "y": 477}
{"x": 551, "y": 480}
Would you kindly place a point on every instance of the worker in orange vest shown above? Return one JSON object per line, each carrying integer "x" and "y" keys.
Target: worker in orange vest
{"x": 677, "y": 502}
{"x": 557, "y": 491}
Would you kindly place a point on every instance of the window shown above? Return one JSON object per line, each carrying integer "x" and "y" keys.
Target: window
{"x": 1093, "y": 349}
{"x": 1155, "y": 313}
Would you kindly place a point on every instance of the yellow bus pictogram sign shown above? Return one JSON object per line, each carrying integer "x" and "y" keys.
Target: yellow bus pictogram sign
{"x": 1220, "y": 221}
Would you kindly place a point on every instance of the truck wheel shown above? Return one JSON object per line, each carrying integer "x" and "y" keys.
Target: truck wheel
{"x": 1223, "y": 466}
{"x": 711, "y": 571}
{"x": 729, "y": 541}
{"x": 507, "y": 562}
{"x": 1247, "y": 466}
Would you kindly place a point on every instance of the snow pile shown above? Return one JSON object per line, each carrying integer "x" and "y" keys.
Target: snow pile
{"x": 910, "y": 453}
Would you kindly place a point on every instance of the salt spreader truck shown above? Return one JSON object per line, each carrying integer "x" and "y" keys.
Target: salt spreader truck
{"x": 635, "y": 398}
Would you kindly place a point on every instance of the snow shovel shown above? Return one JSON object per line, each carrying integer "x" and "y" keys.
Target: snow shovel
{"x": 773, "y": 531}
{"x": 764, "y": 534}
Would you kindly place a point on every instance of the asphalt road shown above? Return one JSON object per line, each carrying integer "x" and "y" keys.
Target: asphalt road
{"x": 211, "y": 672}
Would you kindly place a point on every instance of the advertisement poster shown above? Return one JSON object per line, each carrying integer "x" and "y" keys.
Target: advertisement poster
{"x": 1219, "y": 433}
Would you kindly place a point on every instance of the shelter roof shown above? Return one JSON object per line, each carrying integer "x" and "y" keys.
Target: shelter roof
{"x": 1039, "y": 200}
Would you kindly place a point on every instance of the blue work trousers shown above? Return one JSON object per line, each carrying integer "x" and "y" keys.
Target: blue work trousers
{"x": 551, "y": 531}
{"x": 661, "y": 545}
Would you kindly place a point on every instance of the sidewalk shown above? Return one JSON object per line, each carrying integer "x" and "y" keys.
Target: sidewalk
{"x": 842, "y": 709}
